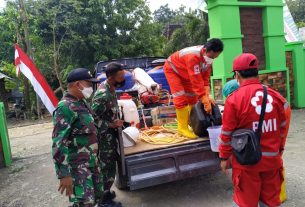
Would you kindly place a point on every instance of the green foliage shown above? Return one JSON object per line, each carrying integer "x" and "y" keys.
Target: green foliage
{"x": 194, "y": 31}
{"x": 8, "y": 32}
{"x": 65, "y": 72}
{"x": 164, "y": 15}
{"x": 9, "y": 70}
{"x": 301, "y": 24}
{"x": 80, "y": 33}
{"x": 68, "y": 34}
{"x": 297, "y": 9}
{"x": 94, "y": 30}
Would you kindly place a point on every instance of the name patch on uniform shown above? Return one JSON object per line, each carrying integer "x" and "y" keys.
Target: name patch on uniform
{"x": 197, "y": 69}
{"x": 268, "y": 125}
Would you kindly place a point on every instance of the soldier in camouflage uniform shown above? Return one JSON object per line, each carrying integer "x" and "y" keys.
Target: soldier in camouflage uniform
{"x": 75, "y": 145}
{"x": 106, "y": 108}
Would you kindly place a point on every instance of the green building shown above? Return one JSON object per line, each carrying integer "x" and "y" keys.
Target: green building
{"x": 257, "y": 26}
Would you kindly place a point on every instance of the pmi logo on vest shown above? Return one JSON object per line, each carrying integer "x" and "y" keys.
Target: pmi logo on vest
{"x": 270, "y": 124}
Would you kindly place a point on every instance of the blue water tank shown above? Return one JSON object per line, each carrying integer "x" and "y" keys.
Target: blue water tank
{"x": 128, "y": 77}
{"x": 157, "y": 74}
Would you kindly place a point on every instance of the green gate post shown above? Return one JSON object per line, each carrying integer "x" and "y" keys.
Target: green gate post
{"x": 4, "y": 139}
{"x": 298, "y": 62}
{"x": 225, "y": 23}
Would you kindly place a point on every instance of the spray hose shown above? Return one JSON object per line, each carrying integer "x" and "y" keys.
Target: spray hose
{"x": 159, "y": 135}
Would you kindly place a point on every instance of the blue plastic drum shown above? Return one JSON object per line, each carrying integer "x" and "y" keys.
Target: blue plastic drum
{"x": 157, "y": 74}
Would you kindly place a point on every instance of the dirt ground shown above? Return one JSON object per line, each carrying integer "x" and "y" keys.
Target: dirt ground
{"x": 31, "y": 181}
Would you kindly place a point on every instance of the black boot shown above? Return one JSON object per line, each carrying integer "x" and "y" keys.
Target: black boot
{"x": 107, "y": 200}
{"x": 109, "y": 195}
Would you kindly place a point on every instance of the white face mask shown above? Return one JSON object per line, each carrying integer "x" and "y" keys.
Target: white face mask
{"x": 208, "y": 60}
{"x": 87, "y": 92}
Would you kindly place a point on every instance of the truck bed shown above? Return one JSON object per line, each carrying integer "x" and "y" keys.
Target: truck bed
{"x": 141, "y": 146}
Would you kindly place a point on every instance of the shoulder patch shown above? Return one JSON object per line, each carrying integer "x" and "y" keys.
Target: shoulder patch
{"x": 196, "y": 69}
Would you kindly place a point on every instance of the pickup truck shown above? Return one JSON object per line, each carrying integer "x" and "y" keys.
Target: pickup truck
{"x": 145, "y": 165}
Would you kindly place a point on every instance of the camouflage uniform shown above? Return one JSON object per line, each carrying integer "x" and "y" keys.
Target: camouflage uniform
{"x": 105, "y": 106}
{"x": 75, "y": 148}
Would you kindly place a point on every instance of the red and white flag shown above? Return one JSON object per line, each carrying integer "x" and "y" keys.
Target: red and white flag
{"x": 26, "y": 66}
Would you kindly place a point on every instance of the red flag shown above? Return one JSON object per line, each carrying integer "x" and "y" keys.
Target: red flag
{"x": 26, "y": 66}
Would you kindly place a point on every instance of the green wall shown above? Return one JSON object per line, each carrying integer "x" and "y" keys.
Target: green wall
{"x": 224, "y": 23}
{"x": 4, "y": 137}
{"x": 298, "y": 61}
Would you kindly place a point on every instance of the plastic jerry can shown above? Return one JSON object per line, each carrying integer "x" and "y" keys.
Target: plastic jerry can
{"x": 200, "y": 120}
{"x": 128, "y": 110}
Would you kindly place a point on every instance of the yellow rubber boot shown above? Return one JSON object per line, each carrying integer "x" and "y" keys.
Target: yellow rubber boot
{"x": 182, "y": 119}
{"x": 189, "y": 108}
{"x": 283, "y": 195}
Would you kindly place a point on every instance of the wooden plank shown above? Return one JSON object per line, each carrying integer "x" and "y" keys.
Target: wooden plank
{"x": 146, "y": 147}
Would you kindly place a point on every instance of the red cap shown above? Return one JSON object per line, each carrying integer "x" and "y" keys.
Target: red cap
{"x": 245, "y": 61}
{"x": 125, "y": 96}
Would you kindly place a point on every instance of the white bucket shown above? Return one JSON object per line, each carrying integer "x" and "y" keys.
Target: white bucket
{"x": 130, "y": 136}
{"x": 214, "y": 133}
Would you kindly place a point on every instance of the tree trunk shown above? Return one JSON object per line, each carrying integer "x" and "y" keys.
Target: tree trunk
{"x": 57, "y": 90}
{"x": 55, "y": 59}
{"x": 25, "y": 23}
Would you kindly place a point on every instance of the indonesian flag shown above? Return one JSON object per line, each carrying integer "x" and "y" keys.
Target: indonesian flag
{"x": 26, "y": 66}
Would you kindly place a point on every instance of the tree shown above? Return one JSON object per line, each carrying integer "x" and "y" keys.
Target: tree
{"x": 62, "y": 35}
{"x": 7, "y": 36}
{"x": 164, "y": 15}
{"x": 194, "y": 32}
{"x": 96, "y": 30}
{"x": 297, "y": 9}
{"x": 301, "y": 24}
{"x": 27, "y": 48}
{"x": 190, "y": 28}
{"x": 56, "y": 28}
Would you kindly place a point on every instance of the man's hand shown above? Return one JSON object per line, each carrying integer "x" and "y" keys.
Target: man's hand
{"x": 212, "y": 101}
{"x": 66, "y": 184}
{"x": 207, "y": 104}
{"x": 224, "y": 165}
{"x": 117, "y": 124}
